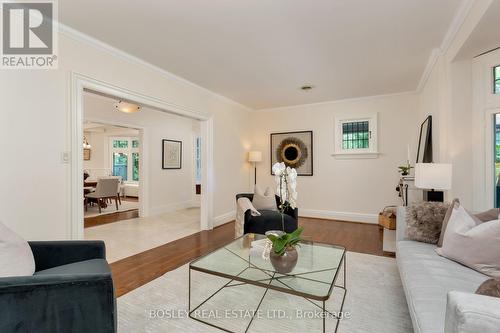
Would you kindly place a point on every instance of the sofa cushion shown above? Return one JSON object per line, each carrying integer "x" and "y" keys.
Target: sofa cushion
{"x": 93, "y": 266}
{"x": 427, "y": 278}
{"x": 16, "y": 258}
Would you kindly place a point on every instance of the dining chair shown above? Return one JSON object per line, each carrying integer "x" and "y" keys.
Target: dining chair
{"x": 107, "y": 188}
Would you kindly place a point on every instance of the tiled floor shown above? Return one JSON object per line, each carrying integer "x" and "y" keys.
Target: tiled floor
{"x": 126, "y": 238}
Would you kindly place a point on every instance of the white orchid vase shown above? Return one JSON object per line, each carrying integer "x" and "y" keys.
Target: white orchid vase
{"x": 286, "y": 180}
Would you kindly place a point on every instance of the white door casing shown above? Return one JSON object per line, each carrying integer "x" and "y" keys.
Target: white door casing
{"x": 78, "y": 84}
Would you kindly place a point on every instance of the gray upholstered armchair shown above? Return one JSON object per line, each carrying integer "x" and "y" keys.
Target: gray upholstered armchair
{"x": 71, "y": 291}
{"x": 269, "y": 219}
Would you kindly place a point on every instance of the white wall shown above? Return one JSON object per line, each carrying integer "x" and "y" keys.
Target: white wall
{"x": 35, "y": 117}
{"x": 168, "y": 189}
{"x": 349, "y": 189}
{"x": 447, "y": 95}
{"x": 100, "y": 148}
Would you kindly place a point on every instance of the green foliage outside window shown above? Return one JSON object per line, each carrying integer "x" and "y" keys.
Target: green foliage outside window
{"x": 355, "y": 135}
{"x": 120, "y": 143}
{"x": 120, "y": 162}
{"x": 497, "y": 80}
{"x": 135, "y": 167}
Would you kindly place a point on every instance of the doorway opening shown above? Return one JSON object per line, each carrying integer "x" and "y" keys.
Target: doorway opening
{"x": 151, "y": 205}
{"x": 111, "y": 152}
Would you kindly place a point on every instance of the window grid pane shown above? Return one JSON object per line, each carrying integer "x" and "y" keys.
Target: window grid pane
{"x": 355, "y": 135}
{"x": 120, "y": 143}
{"x": 120, "y": 162}
{"x": 135, "y": 143}
{"x": 135, "y": 167}
{"x": 496, "y": 83}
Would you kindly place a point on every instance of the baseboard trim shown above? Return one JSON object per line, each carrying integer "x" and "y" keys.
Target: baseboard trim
{"x": 341, "y": 216}
{"x": 224, "y": 218}
{"x": 171, "y": 207}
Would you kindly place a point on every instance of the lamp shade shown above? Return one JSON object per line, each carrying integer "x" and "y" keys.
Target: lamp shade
{"x": 433, "y": 176}
{"x": 254, "y": 156}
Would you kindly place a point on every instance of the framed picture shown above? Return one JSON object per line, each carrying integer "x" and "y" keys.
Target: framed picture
{"x": 171, "y": 154}
{"x": 86, "y": 154}
{"x": 295, "y": 149}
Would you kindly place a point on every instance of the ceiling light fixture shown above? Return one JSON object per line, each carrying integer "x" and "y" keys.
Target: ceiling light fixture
{"x": 306, "y": 88}
{"x": 127, "y": 107}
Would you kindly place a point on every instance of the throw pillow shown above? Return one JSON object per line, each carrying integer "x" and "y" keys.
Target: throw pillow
{"x": 489, "y": 287}
{"x": 474, "y": 245}
{"x": 424, "y": 221}
{"x": 489, "y": 215}
{"x": 445, "y": 220}
{"x": 16, "y": 258}
{"x": 264, "y": 200}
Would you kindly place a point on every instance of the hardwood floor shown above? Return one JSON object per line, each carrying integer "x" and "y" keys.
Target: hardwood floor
{"x": 132, "y": 272}
{"x": 110, "y": 218}
{"x": 113, "y": 217}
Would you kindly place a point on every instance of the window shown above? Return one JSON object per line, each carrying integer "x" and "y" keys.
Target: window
{"x": 125, "y": 158}
{"x": 496, "y": 80}
{"x": 135, "y": 167}
{"x": 197, "y": 155}
{"x": 120, "y": 164}
{"x": 356, "y": 136}
{"x": 120, "y": 143}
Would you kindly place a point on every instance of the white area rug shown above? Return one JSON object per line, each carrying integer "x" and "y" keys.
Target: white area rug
{"x": 126, "y": 205}
{"x": 375, "y": 302}
{"x": 126, "y": 238}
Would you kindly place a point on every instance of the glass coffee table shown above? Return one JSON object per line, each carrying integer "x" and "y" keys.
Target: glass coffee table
{"x": 244, "y": 286}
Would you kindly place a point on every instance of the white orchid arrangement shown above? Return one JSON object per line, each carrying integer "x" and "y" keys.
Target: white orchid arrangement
{"x": 286, "y": 179}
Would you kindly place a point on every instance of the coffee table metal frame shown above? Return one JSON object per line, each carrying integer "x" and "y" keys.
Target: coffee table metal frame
{"x": 268, "y": 285}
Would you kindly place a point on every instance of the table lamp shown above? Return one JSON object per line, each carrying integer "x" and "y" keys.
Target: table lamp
{"x": 254, "y": 157}
{"x": 434, "y": 178}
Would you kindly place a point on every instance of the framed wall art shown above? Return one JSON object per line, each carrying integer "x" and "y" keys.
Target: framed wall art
{"x": 171, "y": 154}
{"x": 295, "y": 149}
{"x": 86, "y": 154}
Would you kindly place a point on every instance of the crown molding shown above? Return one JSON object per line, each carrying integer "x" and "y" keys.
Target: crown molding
{"x": 345, "y": 100}
{"x": 431, "y": 62}
{"x": 96, "y": 43}
{"x": 456, "y": 24}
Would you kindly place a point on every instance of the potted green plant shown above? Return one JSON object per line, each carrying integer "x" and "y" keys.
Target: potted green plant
{"x": 283, "y": 253}
{"x": 404, "y": 170}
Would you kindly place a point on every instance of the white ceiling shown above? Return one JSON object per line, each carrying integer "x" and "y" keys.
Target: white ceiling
{"x": 259, "y": 52}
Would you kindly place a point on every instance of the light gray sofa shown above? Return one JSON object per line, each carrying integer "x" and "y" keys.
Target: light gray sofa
{"x": 440, "y": 292}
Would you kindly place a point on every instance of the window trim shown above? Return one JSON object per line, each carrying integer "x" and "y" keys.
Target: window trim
{"x": 130, "y": 160}
{"x": 494, "y": 79}
{"x": 371, "y": 151}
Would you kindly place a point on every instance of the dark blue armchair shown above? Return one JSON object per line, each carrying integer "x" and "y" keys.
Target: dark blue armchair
{"x": 71, "y": 291}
